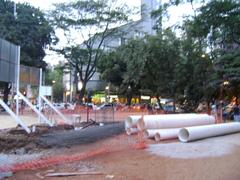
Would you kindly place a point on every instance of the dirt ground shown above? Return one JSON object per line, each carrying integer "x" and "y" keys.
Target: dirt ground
{"x": 125, "y": 162}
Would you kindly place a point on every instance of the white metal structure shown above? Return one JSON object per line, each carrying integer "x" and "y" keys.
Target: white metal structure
{"x": 34, "y": 108}
{"x": 16, "y": 118}
{"x": 42, "y": 97}
{"x": 56, "y": 110}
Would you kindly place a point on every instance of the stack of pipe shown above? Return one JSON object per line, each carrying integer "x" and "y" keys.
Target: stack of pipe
{"x": 185, "y": 127}
{"x": 131, "y": 124}
{"x": 162, "y": 127}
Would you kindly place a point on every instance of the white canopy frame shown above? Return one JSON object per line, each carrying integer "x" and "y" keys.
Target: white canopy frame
{"x": 42, "y": 97}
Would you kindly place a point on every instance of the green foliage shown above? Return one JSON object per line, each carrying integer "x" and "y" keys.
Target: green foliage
{"x": 124, "y": 66}
{"x": 29, "y": 29}
{"x": 112, "y": 68}
{"x": 217, "y": 22}
{"x": 150, "y": 64}
{"x": 176, "y": 68}
{"x": 95, "y": 22}
{"x": 161, "y": 64}
{"x": 216, "y": 27}
{"x": 54, "y": 78}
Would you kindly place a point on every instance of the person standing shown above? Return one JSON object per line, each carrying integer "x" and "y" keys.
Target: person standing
{"x": 150, "y": 109}
{"x": 236, "y": 112}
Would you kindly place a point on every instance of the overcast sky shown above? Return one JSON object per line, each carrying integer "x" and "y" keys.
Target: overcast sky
{"x": 175, "y": 15}
{"x": 46, "y": 4}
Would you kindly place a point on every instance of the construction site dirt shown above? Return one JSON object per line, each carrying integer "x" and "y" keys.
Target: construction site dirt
{"x": 46, "y": 137}
{"x": 107, "y": 153}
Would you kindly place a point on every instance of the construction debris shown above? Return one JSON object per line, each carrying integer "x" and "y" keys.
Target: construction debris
{"x": 63, "y": 174}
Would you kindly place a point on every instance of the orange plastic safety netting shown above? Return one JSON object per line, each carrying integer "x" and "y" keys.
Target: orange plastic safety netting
{"x": 114, "y": 144}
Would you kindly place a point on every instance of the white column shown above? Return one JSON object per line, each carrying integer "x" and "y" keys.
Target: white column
{"x": 18, "y": 79}
{"x": 39, "y": 94}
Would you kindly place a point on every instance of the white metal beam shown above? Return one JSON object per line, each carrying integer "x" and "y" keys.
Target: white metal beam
{"x": 56, "y": 110}
{"x": 17, "y": 119}
{"x": 34, "y": 109}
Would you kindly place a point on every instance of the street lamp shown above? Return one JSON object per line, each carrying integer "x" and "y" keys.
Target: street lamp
{"x": 80, "y": 85}
{"x": 108, "y": 92}
{"x": 226, "y": 83}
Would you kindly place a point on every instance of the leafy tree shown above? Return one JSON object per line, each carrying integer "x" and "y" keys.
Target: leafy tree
{"x": 150, "y": 65}
{"x": 112, "y": 68}
{"x": 54, "y": 79}
{"x": 124, "y": 67}
{"x": 198, "y": 69}
{"x": 160, "y": 70}
{"x": 94, "y": 20}
{"x": 228, "y": 68}
{"x": 29, "y": 29}
{"x": 216, "y": 24}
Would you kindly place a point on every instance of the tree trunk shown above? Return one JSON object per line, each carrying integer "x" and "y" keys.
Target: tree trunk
{"x": 129, "y": 95}
{"x": 7, "y": 89}
{"x": 129, "y": 99}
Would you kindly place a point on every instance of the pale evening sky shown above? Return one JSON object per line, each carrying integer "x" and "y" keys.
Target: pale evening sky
{"x": 175, "y": 16}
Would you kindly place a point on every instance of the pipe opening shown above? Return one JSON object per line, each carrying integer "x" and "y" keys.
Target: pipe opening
{"x": 183, "y": 135}
{"x": 128, "y": 131}
{"x": 145, "y": 134}
{"x": 129, "y": 121}
{"x": 157, "y": 137}
{"x": 131, "y": 131}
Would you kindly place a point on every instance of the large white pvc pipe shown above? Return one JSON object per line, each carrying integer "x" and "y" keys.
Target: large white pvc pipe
{"x": 199, "y": 132}
{"x": 161, "y": 134}
{"x": 174, "y": 121}
{"x": 131, "y": 131}
{"x": 164, "y": 134}
{"x": 131, "y": 121}
{"x": 150, "y": 133}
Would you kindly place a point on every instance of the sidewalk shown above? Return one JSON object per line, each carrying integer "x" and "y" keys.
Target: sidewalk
{"x": 6, "y": 121}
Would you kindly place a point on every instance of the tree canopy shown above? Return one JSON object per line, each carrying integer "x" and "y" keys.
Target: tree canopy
{"x": 29, "y": 29}
{"x": 194, "y": 66}
{"x": 95, "y": 22}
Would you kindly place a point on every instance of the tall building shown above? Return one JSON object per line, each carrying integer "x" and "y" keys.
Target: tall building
{"x": 147, "y": 23}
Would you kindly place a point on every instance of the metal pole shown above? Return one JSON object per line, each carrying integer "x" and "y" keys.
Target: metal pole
{"x": 18, "y": 79}
{"x": 109, "y": 92}
{"x": 71, "y": 86}
{"x": 39, "y": 94}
